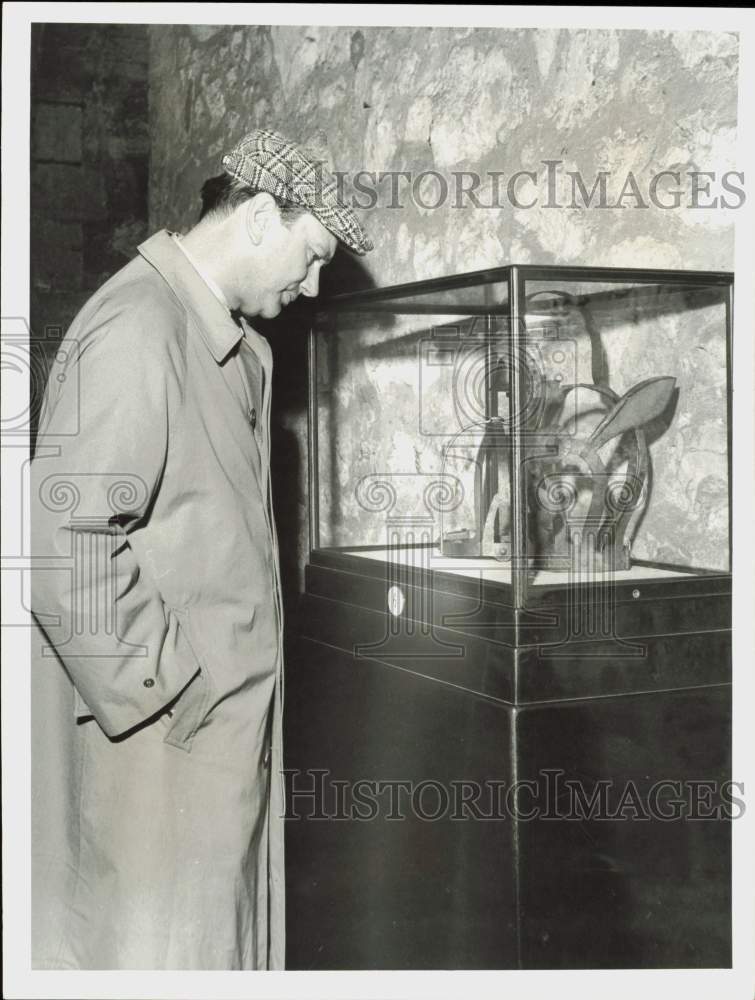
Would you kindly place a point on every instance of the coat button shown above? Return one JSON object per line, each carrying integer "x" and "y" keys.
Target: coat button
{"x": 253, "y": 417}
{"x": 149, "y": 683}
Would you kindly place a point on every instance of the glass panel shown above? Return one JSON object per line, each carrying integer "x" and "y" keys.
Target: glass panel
{"x": 403, "y": 405}
{"x": 626, "y": 448}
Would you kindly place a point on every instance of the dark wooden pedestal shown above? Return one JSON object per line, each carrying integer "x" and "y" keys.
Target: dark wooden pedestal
{"x": 462, "y": 693}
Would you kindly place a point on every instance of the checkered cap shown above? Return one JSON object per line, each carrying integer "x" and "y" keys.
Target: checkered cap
{"x": 266, "y": 161}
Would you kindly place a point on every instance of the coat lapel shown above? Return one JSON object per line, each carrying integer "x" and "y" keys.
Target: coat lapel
{"x": 227, "y": 342}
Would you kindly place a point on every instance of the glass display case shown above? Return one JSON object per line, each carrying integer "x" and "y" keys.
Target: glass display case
{"x": 519, "y": 569}
{"x": 535, "y": 427}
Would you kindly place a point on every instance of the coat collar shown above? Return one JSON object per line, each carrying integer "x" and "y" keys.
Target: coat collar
{"x": 215, "y": 324}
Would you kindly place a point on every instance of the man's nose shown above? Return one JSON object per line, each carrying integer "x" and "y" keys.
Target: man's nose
{"x": 311, "y": 284}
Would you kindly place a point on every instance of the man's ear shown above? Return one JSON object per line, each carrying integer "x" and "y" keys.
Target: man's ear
{"x": 260, "y": 213}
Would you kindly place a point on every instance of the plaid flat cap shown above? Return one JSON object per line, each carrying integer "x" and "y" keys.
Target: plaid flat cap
{"x": 266, "y": 161}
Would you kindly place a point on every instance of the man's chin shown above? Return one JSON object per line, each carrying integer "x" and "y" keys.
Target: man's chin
{"x": 271, "y": 310}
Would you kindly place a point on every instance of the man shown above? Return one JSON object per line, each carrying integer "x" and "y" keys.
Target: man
{"x": 157, "y": 678}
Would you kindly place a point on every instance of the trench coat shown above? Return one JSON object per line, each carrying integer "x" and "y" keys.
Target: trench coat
{"x": 157, "y": 686}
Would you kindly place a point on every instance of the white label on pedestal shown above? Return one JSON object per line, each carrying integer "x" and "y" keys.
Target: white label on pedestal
{"x": 396, "y": 601}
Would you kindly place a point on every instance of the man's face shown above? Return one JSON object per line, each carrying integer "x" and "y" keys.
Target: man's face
{"x": 285, "y": 263}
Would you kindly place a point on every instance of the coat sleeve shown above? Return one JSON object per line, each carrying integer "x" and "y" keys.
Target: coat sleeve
{"x": 102, "y": 448}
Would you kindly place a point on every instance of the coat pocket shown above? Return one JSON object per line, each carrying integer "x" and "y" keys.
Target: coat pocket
{"x": 190, "y": 710}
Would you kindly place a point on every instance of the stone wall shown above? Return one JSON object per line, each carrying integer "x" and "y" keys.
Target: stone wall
{"x": 492, "y": 101}
{"x": 89, "y": 167}
{"x": 413, "y": 99}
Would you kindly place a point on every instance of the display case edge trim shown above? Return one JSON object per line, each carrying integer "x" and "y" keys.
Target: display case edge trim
{"x": 530, "y": 272}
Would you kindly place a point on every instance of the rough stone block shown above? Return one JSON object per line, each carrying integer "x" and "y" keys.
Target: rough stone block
{"x": 56, "y": 255}
{"x": 56, "y": 132}
{"x": 54, "y": 312}
{"x": 61, "y": 72}
{"x": 67, "y": 192}
{"x": 58, "y": 269}
{"x": 49, "y": 233}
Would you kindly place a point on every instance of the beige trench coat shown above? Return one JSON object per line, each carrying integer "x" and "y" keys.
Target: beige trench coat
{"x": 157, "y": 683}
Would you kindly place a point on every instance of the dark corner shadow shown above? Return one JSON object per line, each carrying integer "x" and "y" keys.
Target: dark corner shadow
{"x": 290, "y": 491}
{"x": 288, "y": 336}
{"x": 346, "y": 273}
